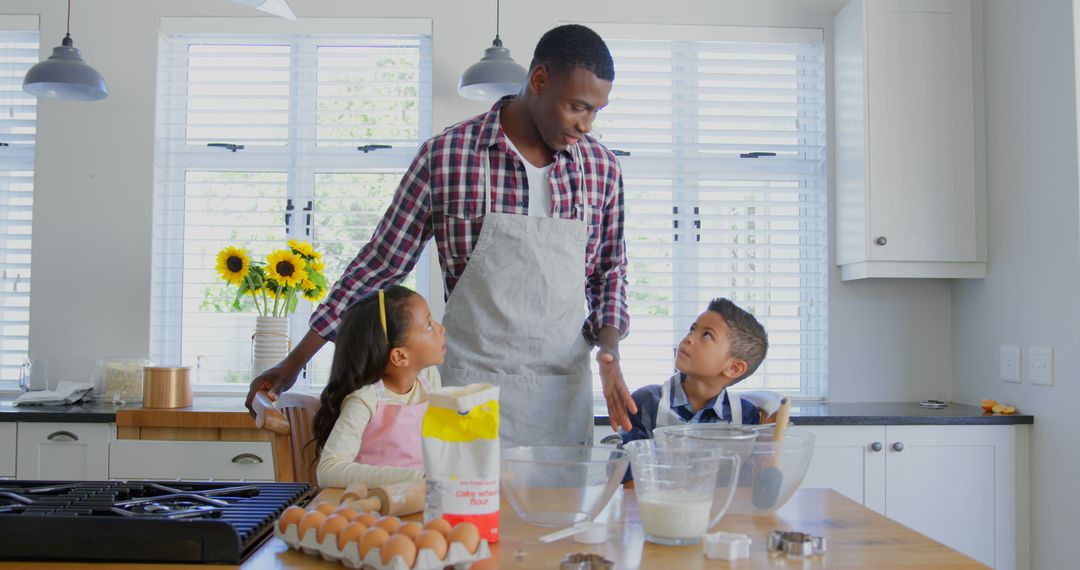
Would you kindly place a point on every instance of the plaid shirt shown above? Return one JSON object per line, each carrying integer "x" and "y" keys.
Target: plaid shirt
{"x": 442, "y": 196}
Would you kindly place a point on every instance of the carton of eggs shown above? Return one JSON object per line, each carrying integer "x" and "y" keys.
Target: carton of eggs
{"x": 366, "y": 540}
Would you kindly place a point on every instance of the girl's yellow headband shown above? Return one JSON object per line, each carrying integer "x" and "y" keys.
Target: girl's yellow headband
{"x": 382, "y": 313}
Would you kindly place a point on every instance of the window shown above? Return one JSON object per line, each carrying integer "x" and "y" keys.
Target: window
{"x": 725, "y": 191}
{"x": 262, "y": 138}
{"x": 18, "y": 116}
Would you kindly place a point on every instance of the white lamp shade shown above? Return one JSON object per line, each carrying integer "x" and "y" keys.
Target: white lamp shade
{"x": 278, "y": 8}
{"x": 65, "y": 75}
{"x": 495, "y": 75}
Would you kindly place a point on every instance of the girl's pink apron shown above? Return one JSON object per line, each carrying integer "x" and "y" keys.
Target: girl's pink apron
{"x": 392, "y": 437}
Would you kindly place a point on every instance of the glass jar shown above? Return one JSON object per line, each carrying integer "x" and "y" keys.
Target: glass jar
{"x": 120, "y": 379}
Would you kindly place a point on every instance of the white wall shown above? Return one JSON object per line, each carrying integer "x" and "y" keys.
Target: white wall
{"x": 91, "y": 241}
{"x": 1031, "y": 296}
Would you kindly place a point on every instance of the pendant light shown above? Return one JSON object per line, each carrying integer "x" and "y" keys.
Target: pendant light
{"x": 495, "y": 75}
{"x": 65, "y": 75}
{"x": 276, "y": 7}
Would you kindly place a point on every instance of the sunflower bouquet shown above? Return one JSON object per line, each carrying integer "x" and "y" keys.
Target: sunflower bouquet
{"x": 276, "y": 284}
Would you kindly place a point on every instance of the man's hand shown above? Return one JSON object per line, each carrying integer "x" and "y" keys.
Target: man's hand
{"x": 274, "y": 380}
{"x": 283, "y": 375}
{"x": 619, "y": 403}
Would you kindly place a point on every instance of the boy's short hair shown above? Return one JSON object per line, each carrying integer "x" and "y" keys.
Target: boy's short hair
{"x": 570, "y": 46}
{"x": 749, "y": 341}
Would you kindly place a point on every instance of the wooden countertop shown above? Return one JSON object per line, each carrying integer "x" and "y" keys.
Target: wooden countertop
{"x": 857, "y": 538}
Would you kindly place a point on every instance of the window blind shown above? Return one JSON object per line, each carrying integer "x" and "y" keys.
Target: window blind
{"x": 725, "y": 192}
{"x": 18, "y": 116}
{"x": 263, "y": 138}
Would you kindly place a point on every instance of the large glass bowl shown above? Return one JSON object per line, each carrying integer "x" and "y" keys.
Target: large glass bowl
{"x": 554, "y": 485}
{"x": 771, "y": 471}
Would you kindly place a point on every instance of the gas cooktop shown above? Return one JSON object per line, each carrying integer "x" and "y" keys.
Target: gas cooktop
{"x": 140, "y": 521}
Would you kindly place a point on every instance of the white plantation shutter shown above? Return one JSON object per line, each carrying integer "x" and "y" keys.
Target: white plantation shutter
{"x": 262, "y": 138}
{"x": 705, "y": 218}
{"x": 18, "y": 116}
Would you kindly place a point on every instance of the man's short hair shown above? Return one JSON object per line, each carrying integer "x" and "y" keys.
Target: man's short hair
{"x": 749, "y": 341}
{"x": 564, "y": 48}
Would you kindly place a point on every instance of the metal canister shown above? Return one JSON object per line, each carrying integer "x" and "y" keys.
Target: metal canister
{"x": 167, "y": 387}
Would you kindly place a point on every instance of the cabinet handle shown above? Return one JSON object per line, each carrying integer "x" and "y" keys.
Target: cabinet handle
{"x": 876, "y": 446}
{"x": 881, "y": 240}
{"x": 247, "y": 458}
{"x": 62, "y": 436}
{"x": 613, "y": 438}
{"x": 898, "y": 446}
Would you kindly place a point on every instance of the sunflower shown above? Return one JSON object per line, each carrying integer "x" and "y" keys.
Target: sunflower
{"x": 233, "y": 264}
{"x": 286, "y": 268}
{"x": 314, "y": 295}
{"x": 317, "y": 265}
{"x": 302, "y": 248}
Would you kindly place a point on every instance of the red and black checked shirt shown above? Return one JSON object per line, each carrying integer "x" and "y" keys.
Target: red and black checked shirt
{"x": 442, "y": 195}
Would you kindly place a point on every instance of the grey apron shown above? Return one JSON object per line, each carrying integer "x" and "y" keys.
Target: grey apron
{"x": 515, "y": 318}
{"x": 665, "y": 416}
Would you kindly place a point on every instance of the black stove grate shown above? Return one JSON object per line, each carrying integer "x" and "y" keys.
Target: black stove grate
{"x": 140, "y": 521}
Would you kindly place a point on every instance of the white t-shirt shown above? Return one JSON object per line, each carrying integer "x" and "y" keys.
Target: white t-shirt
{"x": 539, "y": 185}
{"x": 337, "y": 463}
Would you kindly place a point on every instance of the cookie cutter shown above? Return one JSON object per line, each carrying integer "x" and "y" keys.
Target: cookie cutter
{"x": 795, "y": 543}
{"x": 584, "y": 561}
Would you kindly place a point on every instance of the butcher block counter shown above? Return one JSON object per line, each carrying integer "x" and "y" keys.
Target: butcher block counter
{"x": 856, "y": 537}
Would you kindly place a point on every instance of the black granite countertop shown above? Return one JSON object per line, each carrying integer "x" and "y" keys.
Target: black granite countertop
{"x": 802, "y": 413}
{"x": 889, "y": 413}
{"x": 83, "y": 412}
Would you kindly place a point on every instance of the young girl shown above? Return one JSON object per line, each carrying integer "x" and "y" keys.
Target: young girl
{"x": 368, "y": 425}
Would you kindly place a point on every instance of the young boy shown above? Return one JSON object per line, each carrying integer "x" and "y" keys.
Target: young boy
{"x": 725, "y": 345}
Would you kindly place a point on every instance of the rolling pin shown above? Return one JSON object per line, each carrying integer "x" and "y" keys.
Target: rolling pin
{"x": 398, "y": 499}
{"x": 354, "y": 492}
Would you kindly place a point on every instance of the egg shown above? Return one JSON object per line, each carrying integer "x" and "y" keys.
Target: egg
{"x": 440, "y": 524}
{"x": 351, "y": 533}
{"x": 434, "y": 541}
{"x": 333, "y": 524}
{"x": 467, "y": 534}
{"x": 348, "y": 512}
{"x": 399, "y": 545}
{"x": 367, "y": 518}
{"x": 388, "y": 523}
{"x": 325, "y": 508}
{"x": 373, "y": 537}
{"x": 311, "y": 520}
{"x": 410, "y": 529}
{"x": 292, "y": 515}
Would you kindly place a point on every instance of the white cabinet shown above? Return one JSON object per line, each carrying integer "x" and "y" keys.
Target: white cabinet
{"x": 8, "y": 431}
{"x": 192, "y": 460}
{"x": 964, "y": 486}
{"x": 906, "y": 198}
{"x": 63, "y": 451}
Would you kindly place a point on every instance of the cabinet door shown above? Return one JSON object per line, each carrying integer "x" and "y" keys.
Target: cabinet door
{"x": 7, "y": 449}
{"x": 63, "y": 451}
{"x": 943, "y": 482}
{"x": 921, "y": 130}
{"x": 192, "y": 460}
{"x": 845, "y": 460}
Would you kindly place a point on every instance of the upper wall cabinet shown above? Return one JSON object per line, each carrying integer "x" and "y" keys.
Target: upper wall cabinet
{"x": 906, "y": 198}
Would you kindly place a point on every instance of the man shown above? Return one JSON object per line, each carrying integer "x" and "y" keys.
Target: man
{"x": 525, "y": 208}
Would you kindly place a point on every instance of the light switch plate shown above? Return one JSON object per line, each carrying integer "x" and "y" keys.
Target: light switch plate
{"x": 1010, "y": 363}
{"x": 1041, "y": 365}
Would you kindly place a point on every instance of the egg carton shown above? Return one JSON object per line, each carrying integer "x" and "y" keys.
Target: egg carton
{"x": 456, "y": 556}
{"x": 426, "y": 559}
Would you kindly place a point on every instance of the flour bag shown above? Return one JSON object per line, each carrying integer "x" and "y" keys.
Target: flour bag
{"x": 461, "y": 456}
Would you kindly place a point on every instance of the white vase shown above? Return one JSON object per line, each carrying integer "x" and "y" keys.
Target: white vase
{"x": 269, "y": 343}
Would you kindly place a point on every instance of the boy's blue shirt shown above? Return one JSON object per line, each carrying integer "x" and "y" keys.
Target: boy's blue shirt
{"x": 715, "y": 410}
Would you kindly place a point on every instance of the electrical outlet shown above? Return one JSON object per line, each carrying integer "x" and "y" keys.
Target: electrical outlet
{"x": 1041, "y": 365}
{"x": 1010, "y": 363}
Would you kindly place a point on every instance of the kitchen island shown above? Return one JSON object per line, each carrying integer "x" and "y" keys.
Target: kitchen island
{"x": 857, "y": 538}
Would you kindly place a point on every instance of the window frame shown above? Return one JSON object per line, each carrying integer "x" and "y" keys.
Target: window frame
{"x": 301, "y": 158}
